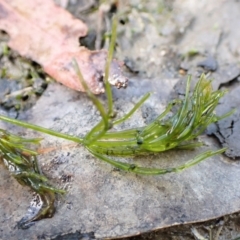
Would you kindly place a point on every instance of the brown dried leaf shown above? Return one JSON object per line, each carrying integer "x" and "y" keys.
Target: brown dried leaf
{"x": 48, "y": 34}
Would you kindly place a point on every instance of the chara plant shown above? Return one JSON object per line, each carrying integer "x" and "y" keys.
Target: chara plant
{"x": 168, "y": 131}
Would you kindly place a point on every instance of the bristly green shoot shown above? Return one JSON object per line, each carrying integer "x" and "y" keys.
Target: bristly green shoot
{"x": 195, "y": 112}
{"x": 22, "y": 164}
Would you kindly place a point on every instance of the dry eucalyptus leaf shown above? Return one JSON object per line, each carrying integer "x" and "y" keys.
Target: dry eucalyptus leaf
{"x": 48, "y": 34}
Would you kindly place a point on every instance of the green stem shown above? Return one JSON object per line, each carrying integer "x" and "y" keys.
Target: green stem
{"x": 94, "y": 99}
{"x": 108, "y": 64}
{"x": 133, "y": 110}
{"x": 41, "y": 129}
{"x": 155, "y": 171}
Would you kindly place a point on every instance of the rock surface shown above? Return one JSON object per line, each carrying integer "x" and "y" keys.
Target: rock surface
{"x": 103, "y": 202}
{"x": 108, "y": 203}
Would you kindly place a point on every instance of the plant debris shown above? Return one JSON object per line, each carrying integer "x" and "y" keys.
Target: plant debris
{"x": 53, "y": 43}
